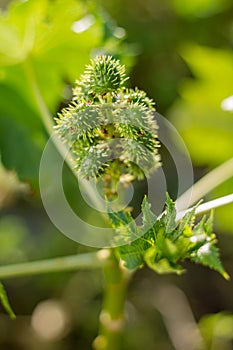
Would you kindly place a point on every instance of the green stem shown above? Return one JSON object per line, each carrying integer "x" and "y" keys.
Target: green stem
{"x": 67, "y": 263}
{"x": 112, "y": 316}
{"x": 116, "y": 278}
{"x": 204, "y": 207}
{"x": 215, "y": 203}
{"x": 206, "y": 184}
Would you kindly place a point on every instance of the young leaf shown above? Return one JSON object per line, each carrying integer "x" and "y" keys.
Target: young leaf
{"x": 169, "y": 218}
{"x": 187, "y": 220}
{"x": 161, "y": 266}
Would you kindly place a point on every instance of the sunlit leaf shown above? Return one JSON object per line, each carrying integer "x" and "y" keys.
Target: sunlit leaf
{"x": 40, "y": 47}
{"x": 164, "y": 246}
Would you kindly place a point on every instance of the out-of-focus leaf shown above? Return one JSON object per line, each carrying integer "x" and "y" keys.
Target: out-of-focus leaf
{"x": 43, "y": 45}
{"x": 223, "y": 215}
{"x": 200, "y": 8}
{"x": 10, "y": 187}
{"x": 206, "y": 128}
{"x": 217, "y": 329}
{"x": 13, "y": 236}
{"x": 5, "y": 302}
{"x": 14, "y": 103}
{"x": 54, "y": 38}
{"x": 42, "y": 32}
{"x": 19, "y": 151}
{"x": 22, "y": 137}
{"x": 199, "y": 114}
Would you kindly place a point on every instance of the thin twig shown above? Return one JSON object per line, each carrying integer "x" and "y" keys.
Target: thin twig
{"x": 202, "y": 208}
{"x": 67, "y": 263}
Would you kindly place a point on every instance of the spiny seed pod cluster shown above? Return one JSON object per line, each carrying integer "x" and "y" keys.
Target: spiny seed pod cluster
{"x": 110, "y": 129}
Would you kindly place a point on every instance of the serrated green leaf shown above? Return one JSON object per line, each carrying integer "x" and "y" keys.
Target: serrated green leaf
{"x": 125, "y": 226}
{"x": 5, "y": 302}
{"x": 148, "y": 217}
{"x": 169, "y": 218}
{"x": 132, "y": 255}
{"x": 163, "y": 251}
{"x": 119, "y": 218}
{"x": 208, "y": 255}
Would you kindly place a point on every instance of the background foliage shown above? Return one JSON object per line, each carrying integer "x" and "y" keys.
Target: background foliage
{"x": 180, "y": 53}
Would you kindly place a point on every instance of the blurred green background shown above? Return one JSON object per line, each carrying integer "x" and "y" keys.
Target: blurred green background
{"x": 180, "y": 53}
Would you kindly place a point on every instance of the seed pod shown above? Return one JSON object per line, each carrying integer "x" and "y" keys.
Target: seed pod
{"x": 111, "y": 130}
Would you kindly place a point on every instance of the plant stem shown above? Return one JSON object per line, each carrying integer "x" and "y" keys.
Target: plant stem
{"x": 67, "y": 263}
{"x": 206, "y": 184}
{"x": 112, "y": 318}
{"x": 116, "y": 278}
{"x": 202, "y": 208}
{"x": 215, "y": 203}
